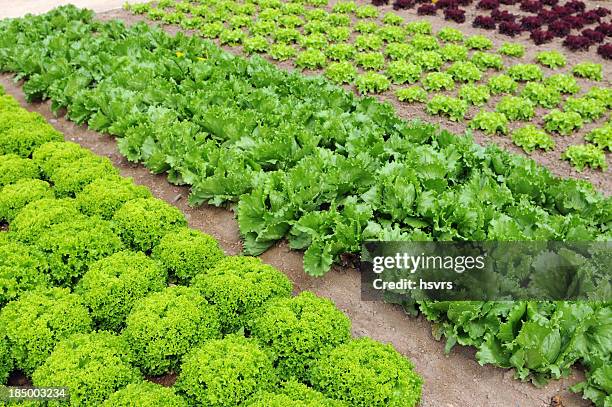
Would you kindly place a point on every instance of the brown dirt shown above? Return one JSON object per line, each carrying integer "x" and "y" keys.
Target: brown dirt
{"x": 551, "y": 159}
{"x": 454, "y": 380}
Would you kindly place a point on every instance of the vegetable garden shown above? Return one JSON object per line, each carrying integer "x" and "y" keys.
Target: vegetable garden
{"x": 104, "y": 288}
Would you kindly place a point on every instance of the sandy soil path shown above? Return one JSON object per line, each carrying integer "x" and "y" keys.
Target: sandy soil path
{"x": 17, "y": 8}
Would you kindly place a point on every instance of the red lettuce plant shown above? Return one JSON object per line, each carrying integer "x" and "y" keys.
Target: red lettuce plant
{"x": 426, "y": 10}
{"x": 454, "y": 14}
{"x": 594, "y": 36}
{"x": 602, "y": 11}
{"x": 605, "y": 29}
{"x": 531, "y": 6}
{"x": 605, "y": 51}
{"x": 577, "y": 42}
{"x": 559, "y": 28}
{"x": 488, "y": 4}
{"x": 504, "y": 15}
{"x": 531, "y": 23}
{"x": 576, "y": 6}
{"x": 591, "y": 17}
{"x": 485, "y": 22}
{"x": 402, "y": 4}
{"x": 509, "y": 28}
{"x": 540, "y": 36}
{"x": 575, "y": 22}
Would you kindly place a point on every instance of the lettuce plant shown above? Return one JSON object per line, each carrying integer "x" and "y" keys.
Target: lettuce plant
{"x": 464, "y": 71}
{"x": 525, "y": 72}
{"x": 428, "y": 60}
{"x": 339, "y": 34}
{"x": 603, "y": 95}
{"x": 411, "y": 94}
{"x": 290, "y": 21}
{"x": 448, "y": 34}
{"x": 38, "y": 320}
{"x": 516, "y": 108}
{"x": 551, "y": 59}
{"x": 13, "y": 168}
{"x": 340, "y": 52}
{"x": 231, "y": 37}
{"x": 530, "y": 137}
{"x": 341, "y": 72}
{"x": 239, "y": 21}
{"x": 393, "y": 19}
{"x": 366, "y": 373}
{"x": 282, "y": 52}
{"x": 588, "y": 108}
{"x": 370, "y": 60}
{"x": 16, "y": 196}
{"x": 583, "y": 155}
{"x": 501, "y": 84}
{"x": 454, "y": 52}
{"x": 145, "y": 394}
{"x": 263, "y": 27}
{"x": 286, "y": 35}
{"x": 70, "y": 178}
{"x": 449, "y": 106}
{"x": 92, "y": 366}
{"x": 398, "y": 51}
{"x": 437, "y": 81}
{"x": 487, "y": 60}
{"x": 391, "y": 33}
{"x": 419, "y": 27}
{"x": 38, "y": 216}
{"x": 476, "y": 95}
{"x": 541, "y": 94}
{"x": 490, "y": 122}
{"x": 292, "y": 393}
{"x": 187, "y": 252}
{"x": 239, "y": 287}
{"x": 601, "y": 136}
{"x": 371, "y": 82}
{"x": 564, "y": 123}
{"x": 211, "y": 30}
{"x": 563, "y": 83}
{"x": 225, "y": 372}
{"x": 255, "y": 44}
{"x": 344, "y": 7}
{"x": 112, "y": 285}
{"x": 152, "y": 325}
{"x": 512, "y": 50}
{"x": 423, "y": 42}
{"x": 311, "y": 59}
{"x": 317, "y": 26}
{"x": 339, "y": 20}
{"x": 367, "y": 11}
{"x": 142, "y": 222}
{"x": 104, "y": 196}
{"x": 588, "y": 70}
{"x": 368, "y": 42}
{"x": 74, "y": 244}
{"x": 403, "y": 72}
{"x": 22, "y": 269}
{"x": 299, "y": 330}
{"x": 366, "y": 27}
{"x": 478, "y": 42}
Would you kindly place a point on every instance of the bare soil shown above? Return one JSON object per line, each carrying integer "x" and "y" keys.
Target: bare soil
{"x": 454, "y": 380}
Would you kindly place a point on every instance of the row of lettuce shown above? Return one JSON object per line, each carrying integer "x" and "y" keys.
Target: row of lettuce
{"x": 305, "y": 160}
{"x": 375, "y": 53}
{"x": 102, "y": 285}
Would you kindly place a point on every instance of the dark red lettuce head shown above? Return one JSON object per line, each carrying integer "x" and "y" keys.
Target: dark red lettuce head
{"x": 485, "y": 22}
{"x": 426, "y": 10}
{"x": 605, "y": 51}
{"x": 559, "y": 28}
{"x": 577, "y": 42}
{"x": 454, "y": 14}
{"x": 540, "y": 36}
{"x": 594, "y": 36}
